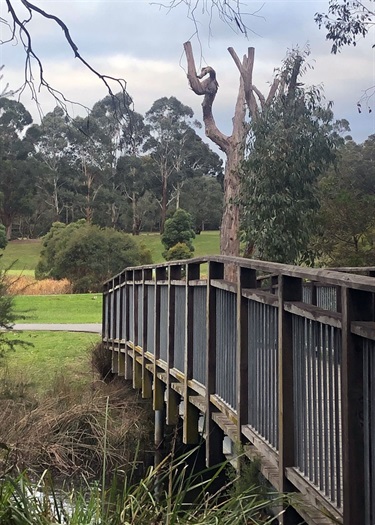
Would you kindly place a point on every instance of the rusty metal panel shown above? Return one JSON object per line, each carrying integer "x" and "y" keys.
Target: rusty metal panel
{"x": 263, "y": 370}
{"x": 317, "y": 405}
{"x": 199, "y": 334}
{"x": 226, "y": 346}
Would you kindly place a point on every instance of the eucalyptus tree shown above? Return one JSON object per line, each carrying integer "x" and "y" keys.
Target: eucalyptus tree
{"x": 291, "y": 144}
{"x": 346, "y": 236}
{"x": 176, "y": 149}
{"x": 17, "y": 170}
{"x": 51, "y": 143}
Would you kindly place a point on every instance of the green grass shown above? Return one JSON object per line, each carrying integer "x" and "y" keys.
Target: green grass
{"x": 69, "y": 308}
{"x": 207, "y": 243}
{"x": 52, "y": 353}
{"x": 23, "y": 256}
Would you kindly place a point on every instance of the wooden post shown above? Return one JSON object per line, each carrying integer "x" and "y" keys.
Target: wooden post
{"x": 214, "y": 434}
{"x": 246, "y": 279}
{"x": 290, "y": 289}
{"x": 356, "y": 306}
{"x": 190, "y": 433}
{"x": 114, "y": 329}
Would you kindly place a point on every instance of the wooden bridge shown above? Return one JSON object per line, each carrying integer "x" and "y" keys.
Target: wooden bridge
{"x": 282, "y": 361}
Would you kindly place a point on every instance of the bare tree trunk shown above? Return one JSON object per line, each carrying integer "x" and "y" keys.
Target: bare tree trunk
{"x": 164, "y": 202}
{"x": 232, "y": 146}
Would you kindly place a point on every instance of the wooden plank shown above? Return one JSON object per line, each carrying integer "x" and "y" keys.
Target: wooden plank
{"x": 261, "y": 445}
{"x": 364, "y": 329}
{"x": 260, "y": 296}
{"x": 224, "y": 408}
{"x": 312, "y": 497}
{"x": 224, "y": 285}
{"x": 314, "y": 313}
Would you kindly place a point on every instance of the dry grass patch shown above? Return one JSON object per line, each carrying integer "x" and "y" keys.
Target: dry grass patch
{"x": 73, "y": 432}
{"x": 27, "y": 285}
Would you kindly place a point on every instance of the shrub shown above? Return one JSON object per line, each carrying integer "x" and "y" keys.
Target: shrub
{"x": 88, "y": 255}
{"x": 178, "y": 252}
{"x": 178, "y": 230}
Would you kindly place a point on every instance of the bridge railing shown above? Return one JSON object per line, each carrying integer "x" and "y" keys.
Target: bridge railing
{"x": 282, "y": 360}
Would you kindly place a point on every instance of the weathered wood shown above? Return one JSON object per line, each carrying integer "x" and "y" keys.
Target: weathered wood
{"x": 289, "y": 289}
{"x": 356, "y": 306}
{"x": 260, "y": 297}
{"x": 314, "y": 313}
{"x": 214, "y": 447}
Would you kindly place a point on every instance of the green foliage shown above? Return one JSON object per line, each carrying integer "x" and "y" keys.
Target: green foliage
{"x": 346, "y": 22}
{"x": 202, "y": 197}
{"x": 178, "y": 229}
{"x": 291, "y": 144}
{"x": 346, "y": 234}
{"x": 87, "y": 255}
{"x": 178, "y": 252}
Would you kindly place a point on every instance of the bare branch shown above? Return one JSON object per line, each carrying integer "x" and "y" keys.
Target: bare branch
{"x": 20, "y": 33}
{"x": 208, "y": 88}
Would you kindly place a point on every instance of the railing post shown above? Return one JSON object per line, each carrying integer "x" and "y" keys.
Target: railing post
{"x": 114, "y": 329}
{"x": 246, "y": 279}
{"x": 191, "y": 415}
{"x": 290, "y": 289}
{"x": 214, "y": 434}
{"x": 356, "y": 306}
{"x": 121, "y": 354}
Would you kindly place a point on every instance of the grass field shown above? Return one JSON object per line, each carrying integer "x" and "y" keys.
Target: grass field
{"x": 23, "y": 256}
{"x": 52, "y": 354}
{"x": 69, "y": 308}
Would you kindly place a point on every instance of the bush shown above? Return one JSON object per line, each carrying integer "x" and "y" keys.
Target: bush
{"x": 178, "y": 252}
{"x": 178, "y": 230}
{"x": 88, "y": 255}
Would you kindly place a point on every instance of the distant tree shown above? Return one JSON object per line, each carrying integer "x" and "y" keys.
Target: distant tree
{"x": 178, "y": 229}
{"x": 88, "y": 255}
{"x": 291, "y": 144}
{"x": 202, "y": 197}
{"x": 17, "y": 170}
{"x": 177, "y": 151}
{"x": 347, "y": 215}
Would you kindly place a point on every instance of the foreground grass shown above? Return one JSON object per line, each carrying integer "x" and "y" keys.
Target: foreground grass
{"x": 68, "y": 308}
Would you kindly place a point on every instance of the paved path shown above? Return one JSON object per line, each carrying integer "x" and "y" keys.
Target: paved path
{"x": 90, "y": 328}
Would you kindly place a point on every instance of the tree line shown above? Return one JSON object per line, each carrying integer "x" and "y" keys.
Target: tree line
{"x": 114, "y": 168}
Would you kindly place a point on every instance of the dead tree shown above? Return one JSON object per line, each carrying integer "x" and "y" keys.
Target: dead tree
{"x": 233, "y": 145}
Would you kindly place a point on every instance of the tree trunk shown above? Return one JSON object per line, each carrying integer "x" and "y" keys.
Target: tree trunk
{"x": 164, "y": 202}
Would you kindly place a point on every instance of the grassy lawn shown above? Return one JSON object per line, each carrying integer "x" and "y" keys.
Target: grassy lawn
{"x": 69, "y": 308}
{"x": 207, "y": 243}
{"x": 62, "y": 355}
{"x": 22, "y": 255}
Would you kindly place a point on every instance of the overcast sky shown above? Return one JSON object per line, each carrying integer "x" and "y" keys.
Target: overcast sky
{"x": 143, "y": 43}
